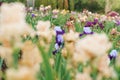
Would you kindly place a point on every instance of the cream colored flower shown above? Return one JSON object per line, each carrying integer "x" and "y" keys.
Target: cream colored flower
{"x": 93, "y": 45}
{"x": 71, "y": 36}
{"x": 80, "y": 57}
{"x": 51, "y": 61}
{"x": 117, "y": 60}
{"x": 12, "y": 13}
{"x": 82, "y": 76}
{"x": 30, "y": 55}
{"x": 6, "y": 54}
{"x": 102, "y": 64}
{"x": 55, "y": 11}
{"x": 22, "y": 73}
{"x": 90, "y": 47}
{"x": 104, "y": 68}
{"x": 43, "y": 28}
{"x": 82, "y": 18}
{"x": 103, "y": 18}
{"x": 70, "y": 39}
{"x": 64, "y": 12}
{"x": 12, "y": 22}
{"x": 64, "y": 53}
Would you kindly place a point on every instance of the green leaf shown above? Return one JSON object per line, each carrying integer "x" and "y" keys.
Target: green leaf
{"x": 51, "y": 46}
{"x": 16, "y": 56}
{"x": 48, "y": 70}
{"x": 1, "y": 62}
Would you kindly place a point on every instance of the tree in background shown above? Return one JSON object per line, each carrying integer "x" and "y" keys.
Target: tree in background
{"x": 30, "y": 3}
{"x": 108, "y": 6}
{"x": 92, "y": 5}
{"x": 66, "y": 4}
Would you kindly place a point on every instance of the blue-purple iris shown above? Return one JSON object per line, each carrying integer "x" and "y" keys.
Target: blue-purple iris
{"x": 33, "y": 15}
{"x": 101, "y": 25}
{"x": 86, "y": 30}
{"x": 118, "y": 22}
{"x": 89, "y": 24}
{"x": 113, "y": 54}
{"x": 95, "y": 22}
{"x": 59, "y": 39}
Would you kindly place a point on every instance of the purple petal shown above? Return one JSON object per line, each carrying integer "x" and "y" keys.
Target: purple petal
{"x": 56, "y": 46}
{"x": 113, "y": 54}
{"x": 87, "y": 30}
{"x": 60, "y": 32}
{"x": 117, "y": 22}
{"x": 95, "y": 21}
{"x": 101, "y": 25}
{"x": 88, "y": 33}
{"x": 54, "y": 52}
{"x": 80, "y": 35}
{"x": 57, "y": 28}
{"x": 89, "y": 24}
{"x": 59, "y": 39}
{"x": 33, "y": 15}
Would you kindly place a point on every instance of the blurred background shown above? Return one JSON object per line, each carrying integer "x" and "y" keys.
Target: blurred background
{"x": 100, "y": 6}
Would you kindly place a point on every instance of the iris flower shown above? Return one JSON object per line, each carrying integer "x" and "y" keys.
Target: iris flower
{"x": 118, "y": 22}
{"x": 113, "y": 54}
{"x": 33, "y": 15}
{"x": 89, "y": 24}
{"x": 101, "y": 25}
{"x": 95, "y": 21}
{"x": 59, "y": 39}
{"x": 86, "y": 30}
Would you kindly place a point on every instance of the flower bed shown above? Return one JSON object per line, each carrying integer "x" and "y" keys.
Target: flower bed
{"x": 48, "y": 44}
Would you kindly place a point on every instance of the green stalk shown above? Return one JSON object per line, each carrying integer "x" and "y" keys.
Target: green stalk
{"x": 1, "y": 62}
{"x": 57, "y": 66}
{"x": 48, "y": 70}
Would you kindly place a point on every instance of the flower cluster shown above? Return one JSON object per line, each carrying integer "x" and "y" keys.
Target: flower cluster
{"x": 86, "y": 30}
{"x": 53, "y": 45}
{"x": 44, "y": 10}
{"x": 55, "y": 13}
{"x": 95, "y": 22}
{"x": 59, "y": 39}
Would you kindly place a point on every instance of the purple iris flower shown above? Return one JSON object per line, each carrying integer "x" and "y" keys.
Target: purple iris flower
{"x": 58, "y": 30}
{"x": 86, "y": 30}
{"x": 59, "y": 35}
{"x": 89, "y": 24}
{"x": 33, "y": 15}
{"x": 95, "y": 21}
{"x": 59, "y": 38}
{"x": 56, "y": 46}
{"x": 101, "y": 25}
{"x": 118, "y": 22}
{"x": 55, "y": 51}
{"x": 113, "y": 54}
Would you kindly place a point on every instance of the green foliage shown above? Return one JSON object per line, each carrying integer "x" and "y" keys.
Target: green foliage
{"x": 58, "y": 70}
{"x": 47, "y": 68}
{"x": 61, "y": 20}
{"x": 16, "y": 57}
{"x": 71, "y": 5}
{"x": 79, "y": 5}
{"x": 92, "y": 5}
{"x": 1, "y": 62}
